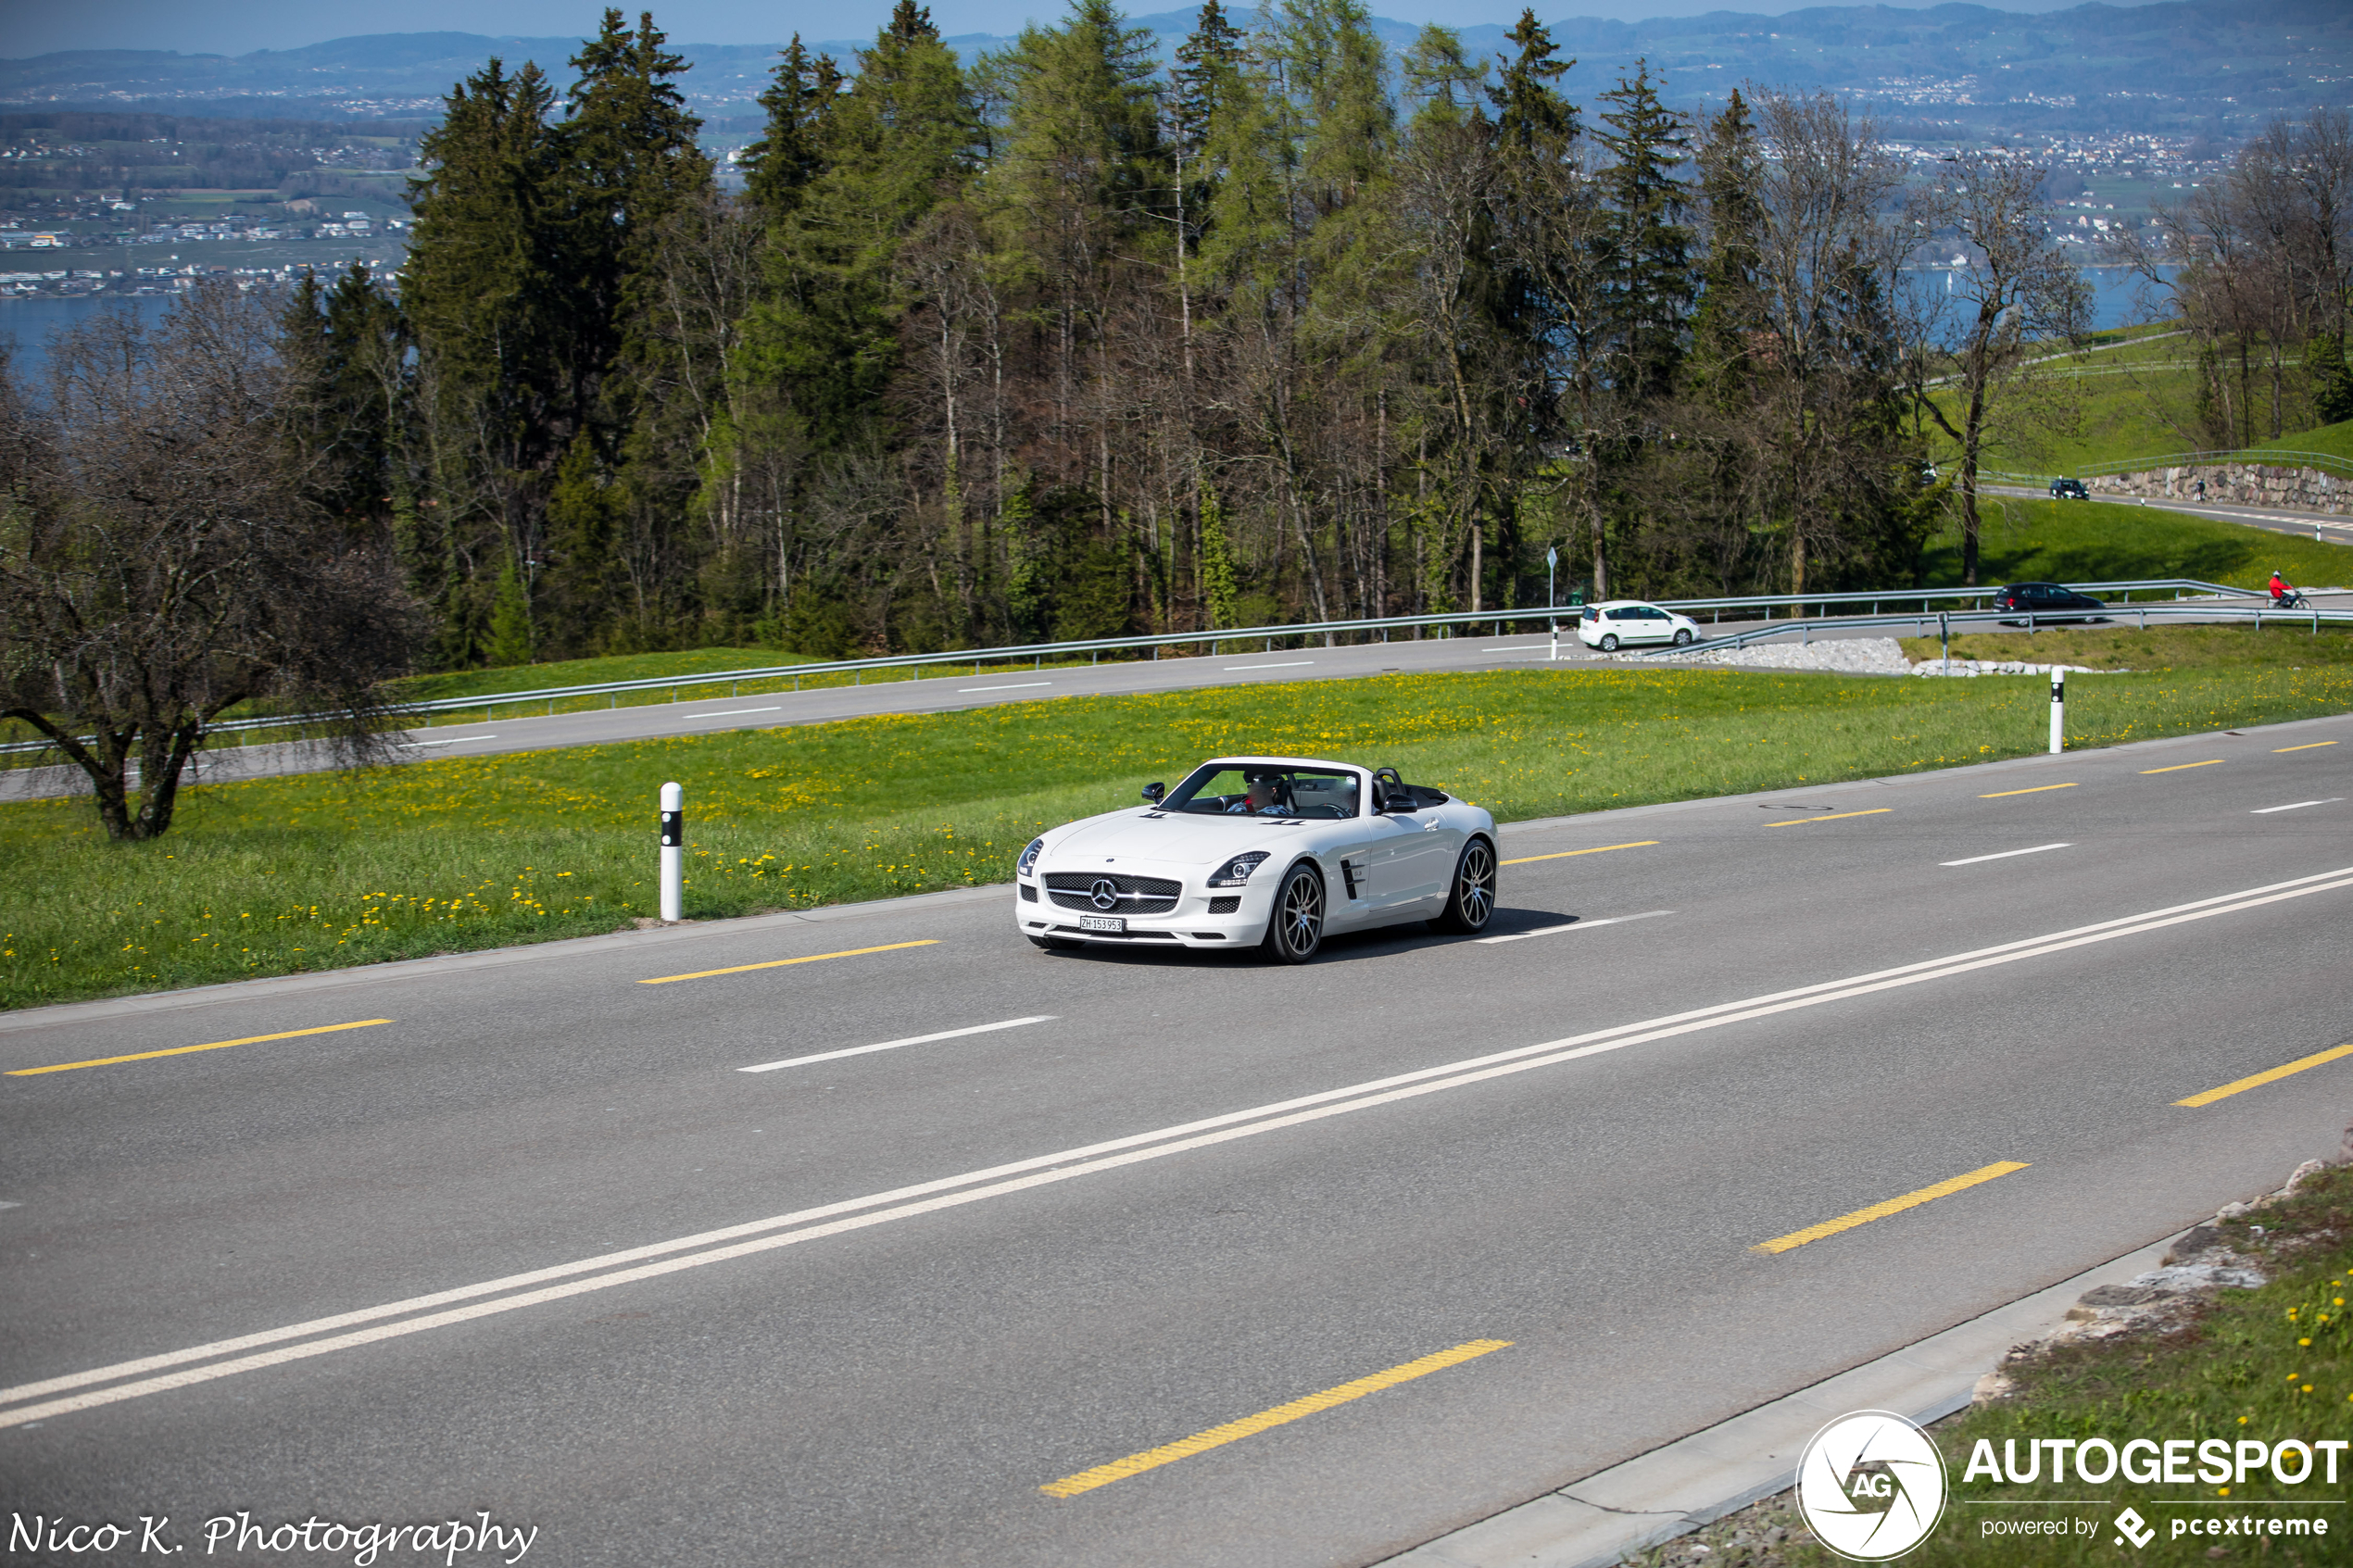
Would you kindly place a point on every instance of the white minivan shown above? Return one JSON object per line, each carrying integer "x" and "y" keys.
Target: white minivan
{"x": 1605, "y": 626}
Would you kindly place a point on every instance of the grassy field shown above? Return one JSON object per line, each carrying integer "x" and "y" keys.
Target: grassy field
{"x": 587, "y": 672}
{"x": 2336, "y": 440}
{"x": 279, "y": 875}
{"x": 2099, "y": 541}
{"x": 2119, "y": 647}
{"x": 2120, "y": 392}
{"x": 2121, "y": 395}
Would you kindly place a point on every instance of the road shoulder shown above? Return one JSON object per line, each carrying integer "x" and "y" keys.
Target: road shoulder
{"x": 1695, "y": 1480}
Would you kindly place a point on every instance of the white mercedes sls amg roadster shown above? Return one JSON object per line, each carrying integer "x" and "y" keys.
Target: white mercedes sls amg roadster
{"x": 1276, "y": 851}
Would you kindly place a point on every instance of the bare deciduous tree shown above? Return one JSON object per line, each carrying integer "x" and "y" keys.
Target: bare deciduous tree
{"x": 159, "y": 562}
{"x": 2016, "y": 304}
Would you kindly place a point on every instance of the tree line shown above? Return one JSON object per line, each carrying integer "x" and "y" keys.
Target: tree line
{"x": 1063, "y": 344}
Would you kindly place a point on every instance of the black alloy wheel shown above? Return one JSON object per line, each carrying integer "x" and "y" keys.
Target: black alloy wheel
{"x": 1297, "y": 928}
{"x": 1470, "y": 903}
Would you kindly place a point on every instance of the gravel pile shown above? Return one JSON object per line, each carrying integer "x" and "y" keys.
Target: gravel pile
{"x": 2002, "y": 667}
{"x": 1848, "y": 656}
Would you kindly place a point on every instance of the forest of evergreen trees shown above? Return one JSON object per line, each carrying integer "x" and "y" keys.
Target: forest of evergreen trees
{"x": 1062, "y": 345}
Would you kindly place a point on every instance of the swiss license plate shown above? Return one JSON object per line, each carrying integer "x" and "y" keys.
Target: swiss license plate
{"x": 1115, "y": 925}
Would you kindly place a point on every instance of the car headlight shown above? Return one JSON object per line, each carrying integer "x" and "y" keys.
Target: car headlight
{"x": 1236, "y": 872}
{"x": 1029, "y": 857}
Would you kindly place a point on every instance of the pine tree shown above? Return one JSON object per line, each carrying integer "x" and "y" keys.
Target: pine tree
{"x": 346, "y": 352}
{"x": 1648, "y": 267}
{"x": 891, "y": 146}
{"x": 1725, "y": 325}
{"x": 510, "y": 639}
{"x": 791, "y": 152}
{"x": 1206, "y": 62}
{"x": 488, "y": 289}
{"x": 1549, "y": 290}
{"x": 630, "y": 156}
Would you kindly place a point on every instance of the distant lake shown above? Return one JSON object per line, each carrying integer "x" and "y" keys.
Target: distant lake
{"x": 2117, "y": 294}
{"x": 25, "y": 324}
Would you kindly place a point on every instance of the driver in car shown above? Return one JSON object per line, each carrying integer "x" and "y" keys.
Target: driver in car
{"x": 1258, "y": 796}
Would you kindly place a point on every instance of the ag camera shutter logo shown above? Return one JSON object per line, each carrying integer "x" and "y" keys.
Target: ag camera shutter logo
{"x": 1871, "y": 1485}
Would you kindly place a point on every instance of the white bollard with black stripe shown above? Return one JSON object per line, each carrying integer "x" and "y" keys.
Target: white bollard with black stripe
{"x": 2058, "y": 710}
{"x": 673, "y": 840}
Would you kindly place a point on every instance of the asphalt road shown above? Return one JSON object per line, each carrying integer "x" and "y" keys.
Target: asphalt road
{"x": 533, "y": 1245}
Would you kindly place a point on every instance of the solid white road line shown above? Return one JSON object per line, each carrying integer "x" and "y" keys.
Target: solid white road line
{"x": 894, "y": 1045}
{"x": 784, "y": 1230}
{"x": 734, "y": 712}
{"x": 1573, "y": 925}
{"x": 1017, "y": 685}
{"x": 453, "y": 740}
{"x": 2298, "y": 805}
{"x": 1292, "y": 664}
{"x": 2005, "y": 855}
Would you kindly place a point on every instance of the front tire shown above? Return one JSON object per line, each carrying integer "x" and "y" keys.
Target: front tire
{"x": 1296, "y": 928}
{"x": 1470, "y": 903}
{"x": 1682, "y": 636}
{"x": 1609, "y": 642}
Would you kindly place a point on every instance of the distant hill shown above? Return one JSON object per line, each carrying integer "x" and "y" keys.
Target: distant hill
{"x": 2218, "y": 67}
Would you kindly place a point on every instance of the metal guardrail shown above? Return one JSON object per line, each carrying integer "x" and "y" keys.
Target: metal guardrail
{"x": 2316, "y": 617}
{"x": 1037, "y": 653}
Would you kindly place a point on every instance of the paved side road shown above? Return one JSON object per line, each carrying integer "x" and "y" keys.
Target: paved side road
{"x": 1005, "y": 1257}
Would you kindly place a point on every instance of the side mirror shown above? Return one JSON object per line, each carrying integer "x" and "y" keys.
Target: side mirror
{"x": 1153, "y": 792}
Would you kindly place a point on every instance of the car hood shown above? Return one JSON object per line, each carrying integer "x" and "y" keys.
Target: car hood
{"x": 1178, "y": 837}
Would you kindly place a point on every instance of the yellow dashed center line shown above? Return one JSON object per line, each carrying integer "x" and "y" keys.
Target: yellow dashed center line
{"x": 1893, "y": 1206}
{"x": 1234, "y": 1431}
{"x": 779, "y": 963}
{"x": 2277, "y": 750}
{"x": 2036, "y": 790}
{"x": 184, "y": 1050}
{"x": 1564, "y": 854}
{"x": 2259, "y": 1079}
{"x": 2210, "y": 762}
{"x": 1792, "y": 822}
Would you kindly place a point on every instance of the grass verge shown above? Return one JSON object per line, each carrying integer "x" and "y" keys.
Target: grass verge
{"x": 2265, "y": 1365}
{"x": 2099, "y": 542}
{"x": 319, "y": 871}
{"x": 2162, "y": 647}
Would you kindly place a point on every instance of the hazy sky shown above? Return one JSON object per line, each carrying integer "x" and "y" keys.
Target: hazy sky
{"x": 37, "y": 27}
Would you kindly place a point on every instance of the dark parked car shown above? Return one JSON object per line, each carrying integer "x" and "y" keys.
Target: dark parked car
{"x": 2068, "y": 489}
{"x": 2046, "y": 602}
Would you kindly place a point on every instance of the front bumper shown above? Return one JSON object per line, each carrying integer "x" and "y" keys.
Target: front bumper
{"x": 1189, "y": 925}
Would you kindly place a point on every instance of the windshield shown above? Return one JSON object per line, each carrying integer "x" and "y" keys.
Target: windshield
{"x": 1265, "y": 791}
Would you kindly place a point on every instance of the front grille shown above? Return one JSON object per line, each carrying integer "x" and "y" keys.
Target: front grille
{"x": 1226, "y": 905}
{"x": 1137, "y": 895}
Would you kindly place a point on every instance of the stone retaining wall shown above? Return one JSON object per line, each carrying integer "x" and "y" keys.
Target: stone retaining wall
{"x": 2243, "y": 484}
